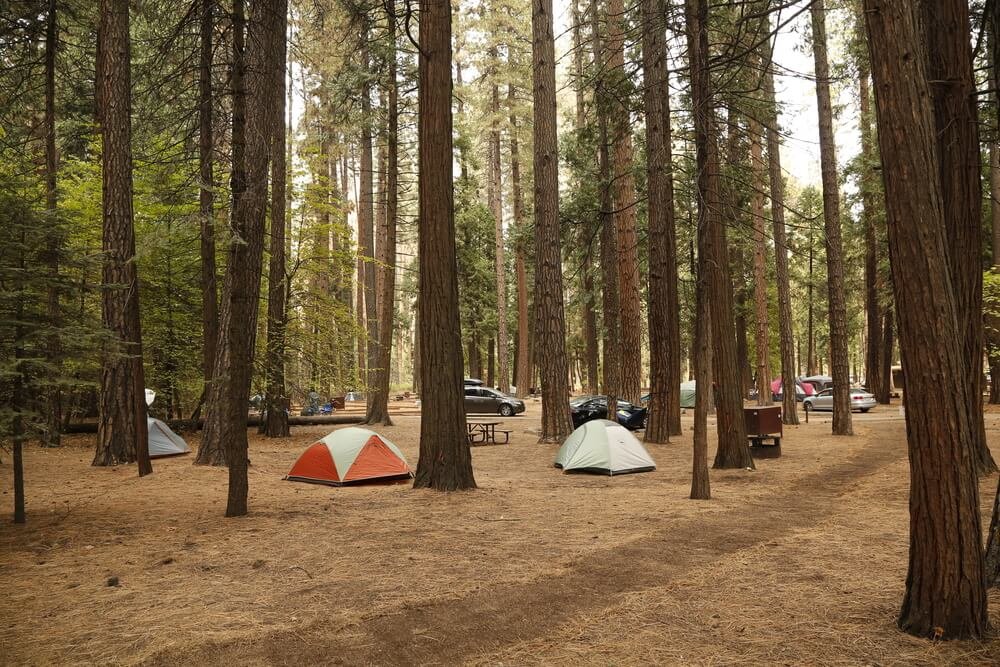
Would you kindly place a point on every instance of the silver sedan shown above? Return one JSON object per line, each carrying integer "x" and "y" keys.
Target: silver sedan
{"x": 860, "y": 400}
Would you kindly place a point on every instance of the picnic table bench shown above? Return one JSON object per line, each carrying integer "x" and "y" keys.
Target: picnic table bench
{"x": 485, "y": 432}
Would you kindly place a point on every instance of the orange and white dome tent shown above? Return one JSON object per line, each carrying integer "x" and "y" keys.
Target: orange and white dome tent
{"x": 349, "y": 456}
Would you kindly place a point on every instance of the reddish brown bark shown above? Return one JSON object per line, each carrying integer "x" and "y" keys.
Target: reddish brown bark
{"x": 55, "y": 241}
{"x": 664, "y": 326}
{"x": 275, "y": 401}
{"x": 550, "y": 321}
{"x": 378, "y": 399}
{"x": 733, "y": 450}
{"x": 122, "y": 436}
{"x": 761, "y": 339}
{"x": 873, "y": 309}
{"x": 610, "y": 307}
{"x": 624, "y": 211}
{"x": 211, "y": 450}
{"x": 945, "y": 585}
{"x": 520, "y": 264}
{"x": 206, "y": 196}
{"x": 445, "y": 462}
{"x": 946, "y": 30}
{"x": 786, "y": 335}
{"x": 839, "y": 361}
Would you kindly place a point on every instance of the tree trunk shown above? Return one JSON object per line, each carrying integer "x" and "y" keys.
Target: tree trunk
{"x": 206, "y": 197}
{"x": 241, "y": 289}
{"x": 744, "y": 371}
{"x": 212, "y": 449}
{"x": 550, "y": 323}
{"x": 810, "y": 328}
{"x": 500, "y": 261}
{"x": 275, "y": 401}
{"x": 839, "y": 363}
{"x": 366, "y": 218}
{"x": 700, "y": 481}
{"x": 888, "y": 324}
{"x": 945, "y": 586}
{"x": 612, "y": 339}
{"x": 55, "y": 238}
{"x": 520, "y": 263}
{"x": 624, "y": 212}
{"x": 591, "y": 359}
{"x": 993, "y": 32}
{"x": 122, "y": 436}
{"x": 786, "y": 335}
{"x": 873, "y": 310}
{"x": 378, "y": 399}
{"x": 591, "y": 348}
{"x": 664, "y": 326}
{"x": 953, "y": 89}
{"x": 445, "y": 461}
{"x": 733, "y": 450}
{"x": 761, "y": 338}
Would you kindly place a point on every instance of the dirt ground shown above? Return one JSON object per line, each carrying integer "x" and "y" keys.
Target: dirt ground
{"x": 799, "y": 562}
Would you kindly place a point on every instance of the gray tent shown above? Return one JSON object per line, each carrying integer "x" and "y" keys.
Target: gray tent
{"x": 603, "y": 447}
{"x": 163, "y": 441}
{"x": 687, "y": 394}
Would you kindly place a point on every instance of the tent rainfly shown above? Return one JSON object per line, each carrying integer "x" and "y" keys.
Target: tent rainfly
{"x": 350, "y": 455}
{"x": 163, "y": 441}
{"x": 605, "y": 448}
{"x": 688, "y": 394}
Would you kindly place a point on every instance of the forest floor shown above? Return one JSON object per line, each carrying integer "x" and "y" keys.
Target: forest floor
{"x": 799, "y": 562}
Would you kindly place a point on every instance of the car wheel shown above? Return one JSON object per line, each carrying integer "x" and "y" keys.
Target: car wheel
{"x": 506, "y": 410}
{"x": 865, "y": 409}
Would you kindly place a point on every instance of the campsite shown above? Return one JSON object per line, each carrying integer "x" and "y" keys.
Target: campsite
{"x": 500, "y": 332}
{"x": 534, "y": 567}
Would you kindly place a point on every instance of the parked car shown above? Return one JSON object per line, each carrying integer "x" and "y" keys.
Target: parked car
{"x": 860, "y": 400}
{"x": 587, "y": 408}
{"x": 484, "y": 400}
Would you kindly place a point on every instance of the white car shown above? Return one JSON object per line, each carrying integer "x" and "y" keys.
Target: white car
{"x": 860, "y": 400}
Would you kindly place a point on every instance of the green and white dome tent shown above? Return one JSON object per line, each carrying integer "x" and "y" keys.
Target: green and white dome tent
{"x": 605, "y": 448}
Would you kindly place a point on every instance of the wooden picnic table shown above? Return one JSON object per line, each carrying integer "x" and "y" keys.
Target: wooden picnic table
{"x": 485, "y": 431}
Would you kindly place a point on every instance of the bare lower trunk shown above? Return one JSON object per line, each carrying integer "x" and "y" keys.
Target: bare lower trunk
{"x": 786, "y": 334}
{"x": 54, "y": 246}
{"x": 950, "y": 69}
{"x": 378, "y": 400}
{"x": 122, "y": 436}
{"x": 611, "y": 342}
{"x": 211, "y": 450}
{"x": 873, "y": 309}
{"x": 591, "y": 348}
{"x": 945, "y": 585}
{"x": 624, "y": 211}
{"x": 839, "y": 362}
{"x": 206, "y": 194}
{"x": 520, "y": 266}
{"x": 733, "y": 450}
{"x": 500, "y": 262}
{"x": 366, "y": 220}
{"x": 700, "y": 481}
{"x": 761, "y": 340}
{"x": 275, "y": 401}
{"x": 664, "y": 329}
{"x": 550, "y": 323}
{"x": 445, "y": 462}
